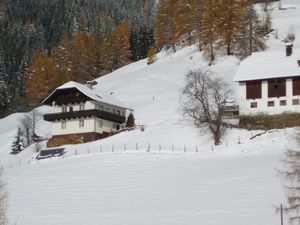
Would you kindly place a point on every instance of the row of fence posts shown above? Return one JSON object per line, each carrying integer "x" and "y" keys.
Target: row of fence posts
{"x": 137, "y": 148}
{"x": 147, "y": 149}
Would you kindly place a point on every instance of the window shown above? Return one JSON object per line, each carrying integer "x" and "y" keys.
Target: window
{"x": 100, "y": 107}
{"x": 100, "y": 123}
{"x": 282, "y": 103}
{"x": 81, "y": 123}
{"x": 271, "y": 103}
{"x": 295, "y": 102}
{"x": 253, "y": 105}
{"x": 64, "y": 108}
{"x": 63, "y": 124}
{"x": 81, "y": 106}
{"x": 71, "y": 109}
{"x": 253, "y": 89}
{"x": 118, "y": 112}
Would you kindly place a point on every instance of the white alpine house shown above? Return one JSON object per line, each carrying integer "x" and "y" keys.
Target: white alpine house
{"x": 82, "y": 113}
{"x": 269, "y": 83}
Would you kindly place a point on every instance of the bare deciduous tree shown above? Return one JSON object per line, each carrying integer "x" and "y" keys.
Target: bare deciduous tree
{"x": 3, "y": 200}
{"x": 290, "y": 173}
{"x": 28, "y": 124}
{"x": 204, "y": 99}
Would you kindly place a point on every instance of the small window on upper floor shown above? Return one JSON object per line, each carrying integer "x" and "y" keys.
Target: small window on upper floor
{"x": 63, "y": 124}
{"x": 81, "y": 106}
{"x": 81, "y": 123}
{"x": 64, "y": 108}
{"x": 118, "y": 112}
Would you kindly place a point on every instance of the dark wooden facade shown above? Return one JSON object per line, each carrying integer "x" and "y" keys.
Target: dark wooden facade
{"x": 253, "y": 89}
{"x": 66, "y": 96}
{"x": 85, "y": 113}
{"x": 296, "y": 85}
{"x": 277, "y": 87}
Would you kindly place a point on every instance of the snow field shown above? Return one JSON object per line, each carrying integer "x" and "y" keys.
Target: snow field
{"x": 233, "y": 185}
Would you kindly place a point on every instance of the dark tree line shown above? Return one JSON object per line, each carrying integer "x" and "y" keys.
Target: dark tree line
{"x": 26, "y": 26}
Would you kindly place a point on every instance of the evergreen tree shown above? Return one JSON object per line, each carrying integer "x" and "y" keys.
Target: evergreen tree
{"x": 18, "y": 143}
{"x": 130, "y": 120}
{"x": 290, "y": 174}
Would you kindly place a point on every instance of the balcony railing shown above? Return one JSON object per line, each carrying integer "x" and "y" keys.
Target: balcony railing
{"x": 85, "y": 113}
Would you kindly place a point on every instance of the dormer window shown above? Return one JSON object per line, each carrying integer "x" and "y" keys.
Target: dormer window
{"x": 81, "y": 106}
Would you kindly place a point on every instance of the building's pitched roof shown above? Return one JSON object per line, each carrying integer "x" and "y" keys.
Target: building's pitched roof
{"x": 95, "y": 94}
{"x": 267, "y": 65}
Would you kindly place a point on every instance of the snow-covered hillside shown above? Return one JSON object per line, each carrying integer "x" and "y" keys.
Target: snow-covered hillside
{"x": 233, "y": 184}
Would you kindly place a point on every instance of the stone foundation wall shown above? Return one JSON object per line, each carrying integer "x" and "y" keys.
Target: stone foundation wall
{"x": 64, "y": 140}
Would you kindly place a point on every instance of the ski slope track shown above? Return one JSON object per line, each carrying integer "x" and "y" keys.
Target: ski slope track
{"x": 170, "y": 174}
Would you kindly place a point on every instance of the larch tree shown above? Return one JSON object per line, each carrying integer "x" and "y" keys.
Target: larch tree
{"x": 196, "y": 16}
{"x": 122, "y": 52}
{"x": 183, "y": 20}
{"x": 165, "y": 28}
{"x": 151, "y": 55}
{"x": 43, "y": 76}
{"x": 62, "y": 56}
{"x": 209, "y": 33}
{"x": 231, "y": 14}
{"x": 84, "y": 57}
{"x": 252, "y": 38}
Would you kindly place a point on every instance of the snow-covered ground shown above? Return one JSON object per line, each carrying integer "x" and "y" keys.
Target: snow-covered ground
{"x": 233, "y": 184}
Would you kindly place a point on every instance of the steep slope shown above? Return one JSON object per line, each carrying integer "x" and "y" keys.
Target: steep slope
{"x": 234, "y": 184}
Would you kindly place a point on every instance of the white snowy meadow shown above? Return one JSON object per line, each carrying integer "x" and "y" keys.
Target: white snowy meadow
{"x": 232, "y": 185}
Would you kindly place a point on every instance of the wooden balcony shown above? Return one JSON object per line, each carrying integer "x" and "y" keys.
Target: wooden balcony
{"x": 85, "y": 113}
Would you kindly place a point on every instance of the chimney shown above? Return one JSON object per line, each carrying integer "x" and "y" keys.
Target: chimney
{"x": 90, "y": 84}
{"x": 289, "y": 49}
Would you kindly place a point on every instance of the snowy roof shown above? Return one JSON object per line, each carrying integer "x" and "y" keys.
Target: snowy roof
{"x": 266, "y": 65}
{"x": 92, "y": 93}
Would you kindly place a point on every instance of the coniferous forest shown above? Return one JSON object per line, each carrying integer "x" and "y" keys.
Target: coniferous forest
{"x": 45, "y": 43}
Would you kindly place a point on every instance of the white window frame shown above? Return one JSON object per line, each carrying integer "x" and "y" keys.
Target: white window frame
{"x": 63, "y": 124}
{"x": 81, "y": 122}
